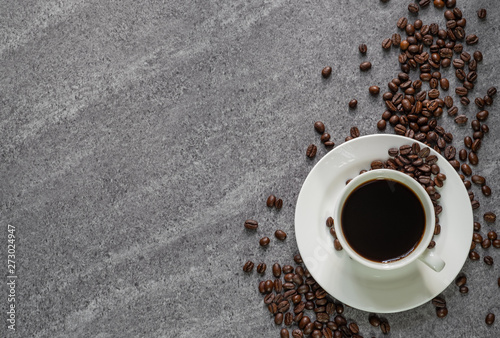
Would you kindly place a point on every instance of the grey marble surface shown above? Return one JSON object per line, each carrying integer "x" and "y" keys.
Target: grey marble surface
{"x": 137, "y": 136}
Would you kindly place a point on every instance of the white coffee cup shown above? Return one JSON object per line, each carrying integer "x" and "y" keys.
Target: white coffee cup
{"x": 420, "y": 251}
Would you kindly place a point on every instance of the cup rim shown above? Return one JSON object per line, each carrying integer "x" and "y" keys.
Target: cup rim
{"x": 416, "y": 188}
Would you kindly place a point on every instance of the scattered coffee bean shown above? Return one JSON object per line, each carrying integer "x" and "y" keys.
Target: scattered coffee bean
{"x": 490, "y": 319}
{"x": 486, "y": 190}
{"x": 488, "y": 260}
{"x": 473, "y": 255}
{"x": 261, "y": 268}
{"x": 364, "y": 66}
{"x": 461, "y": 280}
{"x": 374, "y": 90}
{"x": 385, "y": 327}
{"x": 441, "y": 312}
{"x": 489, "y": 217}
{"x": 264, "y": 241}
{"x": 363, "y": 48}
{"x": 374, "y": 320}
{"x": 354, "y": 132}
{"x": 279, "y": 204}
{"x": 329, "y": 222}
{"x": 325, "y": 137}
{"x": 471, "y": 39}
{"x": 337, "y": 245}
{"x": 311, "y": 151}
{"x": 326, "y": 72}
{"x": 319, "y": 127}
{"x": 284, "y": 333}
{"x": 280, "y": 234}
{"x": 248, "y": 267}
{"x": 271, "y": 200}
{"x": 251, "y": 224}
{"x": 387, "y": 43}
{"x": 413, "y": 8}
{"x": 463, "y": 289}
{"x": 353, "y": 103}
{"x": 481, "y": 13}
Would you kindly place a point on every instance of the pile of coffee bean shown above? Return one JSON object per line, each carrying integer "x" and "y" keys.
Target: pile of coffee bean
{"x": 297, "y": 301}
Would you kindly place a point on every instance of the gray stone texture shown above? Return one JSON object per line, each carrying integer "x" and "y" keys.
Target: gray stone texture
{"x": 137, "y": 136}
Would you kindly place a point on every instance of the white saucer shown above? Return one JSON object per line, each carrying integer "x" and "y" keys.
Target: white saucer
{"x": 352, "y": 283}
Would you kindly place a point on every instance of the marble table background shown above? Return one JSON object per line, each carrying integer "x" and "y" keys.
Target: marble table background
{"x": 137, "y": 136}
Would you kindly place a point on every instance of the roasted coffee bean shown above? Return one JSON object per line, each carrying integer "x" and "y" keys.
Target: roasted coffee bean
{"x": 441, "y": 312}
{"x": 492, "y": 91}
{"x": 461, "y": 280}
{"x": 364, "y": 66}
{"x": 298, "y": 259}
{"x": 261, "y": 268}
{"x": 482, "y": 115}
{"x": 481, "y": 13}
{"x": 486, "y": 190}
{"x": 311, "y": 151}
{"x": 304, "y": 321}
{"x": 461, "y": 119}
{"x": 439, "y": 302}
{"x": 463, "y": 289}
{"x": 280, "y": 234}
{"x": 462, "y": 155}
{"x": 326, "y": 72}
{"x": 476, "y": 145}
{"x": 325, "y": 137}
{"x": 496, "y": 243}
{"x": 262, "y": 287}
{"x": 279, "y": 204}
{"x": 374, "y": 320}
{"x": 490, "y": 319}
{"x": 396, "y": 39}
{"x": 471, "y": 39}
{"x": 466, "y": 169}
{"x": 484, "y": 128}
{"x": 384, "y": 326}
{"x": 478, "y": 179}
{"x": 488, "y": 260}
{"x": 492, "y": 235}
{"x": 413, "y": 8}
{"x": 461, "y": 91}
{"x": 472, "y": 76}
{"x": 269, "y": 298}
{"x": 473, "y": 255}
{"x": 297, "y": 333}
{"x": 276, "y": 270}
{"x": 271, "y": 200}
{"x": 476, "y": 125}
{"x": 475, "y": 204}
{"x": 381, "y": 125}
{"x": 248, "y": 267}
{"x": 319, "y": 127}
{"x": 354, "y": 132}
{"x": 468, "y": 141}
{"x": 402, "y": 22}
{"x": 288, "y": 319}
{"x": 353, "y": 103}
{"x": 251, "y": 224}
{"x": 490, "y": 217}
{"x": 486, "y": 243}
{"x": 363, "y": 48}
{"x": 374, "y": 90}
{"x": 458, "y": 63}
{"x": 284, "y": 333}
{"x": 387, "y": 43}
{"x": 329, "y": 222}
{"x": 473, "y": 159}
{"x": 273, "y": 308}
{"x": 464, "y": 100}
{"x": 308, "y": 329}
{"x": 264, "y": 241}
{"x": 278, "y": 318}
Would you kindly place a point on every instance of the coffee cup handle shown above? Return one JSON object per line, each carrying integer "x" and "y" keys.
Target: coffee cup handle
{"x": 432, "y": 260}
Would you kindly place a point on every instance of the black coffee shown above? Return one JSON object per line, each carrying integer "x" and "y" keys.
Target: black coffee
{"x": 383, "y": 220}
